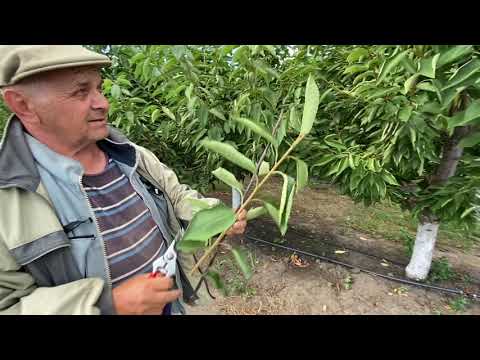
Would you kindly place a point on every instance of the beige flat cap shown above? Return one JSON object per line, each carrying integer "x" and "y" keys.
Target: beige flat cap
{"x": 20, "y": 61}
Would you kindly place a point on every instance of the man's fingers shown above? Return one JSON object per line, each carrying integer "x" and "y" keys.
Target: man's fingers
{"x": 166, "y": 296}
{"x": 162, "y": 283}
{"x": 239, "y": 225}
{"x": 237, "y": 228}
{"x": 242, "y": 215}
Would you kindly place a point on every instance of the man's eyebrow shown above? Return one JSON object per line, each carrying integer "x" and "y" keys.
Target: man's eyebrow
{"x": 84, "y": 83}
{"x": 81, "y": 83}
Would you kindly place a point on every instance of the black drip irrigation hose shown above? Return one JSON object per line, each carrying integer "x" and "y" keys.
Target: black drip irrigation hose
{"x": 392, "y": 278}
{"x": 345, "y": 247}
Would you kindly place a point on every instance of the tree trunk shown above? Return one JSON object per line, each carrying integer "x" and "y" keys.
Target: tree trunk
{"x": 421, "y": 260}
{"x": 236, "y": 199}
{"x": 422, "y": 256}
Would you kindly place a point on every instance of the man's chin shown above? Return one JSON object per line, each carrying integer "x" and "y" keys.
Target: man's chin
{"x": 99, "y": 134}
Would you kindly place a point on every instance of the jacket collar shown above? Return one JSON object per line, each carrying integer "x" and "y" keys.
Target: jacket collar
{"x": 17, "y": 163}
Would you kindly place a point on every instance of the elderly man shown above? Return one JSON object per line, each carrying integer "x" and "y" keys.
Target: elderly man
{"x": 84, "y": 212}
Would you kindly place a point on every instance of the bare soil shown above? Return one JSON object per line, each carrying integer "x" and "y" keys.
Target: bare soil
{"x": 302, "y": 285}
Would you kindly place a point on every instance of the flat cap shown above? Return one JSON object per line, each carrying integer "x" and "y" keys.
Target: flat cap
{"x": 18, "y": 62}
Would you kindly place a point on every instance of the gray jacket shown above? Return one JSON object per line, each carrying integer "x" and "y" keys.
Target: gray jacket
{"x": 54, "y": 245}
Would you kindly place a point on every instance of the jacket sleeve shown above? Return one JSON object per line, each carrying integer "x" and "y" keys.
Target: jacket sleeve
{"x": 178, "y": 193}
{"x": 19, "y": 294}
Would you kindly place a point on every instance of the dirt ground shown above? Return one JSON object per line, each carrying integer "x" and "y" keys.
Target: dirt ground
{"x": 282, "y": 284}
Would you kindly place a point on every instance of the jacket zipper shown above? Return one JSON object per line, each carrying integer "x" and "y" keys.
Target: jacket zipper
{"x": 107, "y": 267}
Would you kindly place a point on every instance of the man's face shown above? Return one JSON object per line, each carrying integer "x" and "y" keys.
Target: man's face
{"x": 70, "y": 106}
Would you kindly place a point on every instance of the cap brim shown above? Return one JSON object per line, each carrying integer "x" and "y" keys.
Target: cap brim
{"x": 58, "y": 67}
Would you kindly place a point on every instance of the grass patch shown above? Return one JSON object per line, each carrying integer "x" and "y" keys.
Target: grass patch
{"x": 441, "y": 270}
{"x": 390, "y": 222}
{"x": 233, "y": 279}
{"x": 459, "y": 304}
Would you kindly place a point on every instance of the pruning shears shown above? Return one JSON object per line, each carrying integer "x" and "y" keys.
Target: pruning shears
{"x": 167, "y": 263}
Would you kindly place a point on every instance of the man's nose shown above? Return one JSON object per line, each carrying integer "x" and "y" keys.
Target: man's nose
{"x": 100, "y": 102}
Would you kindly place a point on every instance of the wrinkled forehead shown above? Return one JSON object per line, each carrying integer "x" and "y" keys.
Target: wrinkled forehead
{"x": 71, "y": 75}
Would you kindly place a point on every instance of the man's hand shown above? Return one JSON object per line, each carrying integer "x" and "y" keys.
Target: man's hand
{"x": 239, "y": 227}
{"x": 142, "y": 295}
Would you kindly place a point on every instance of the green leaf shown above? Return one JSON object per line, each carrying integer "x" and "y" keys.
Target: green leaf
{"x": 284, "y": 194}
{"x": 264, "y": 168}
{"x": 146, "y": 69}
{"x": 130, "y": 116}
{"x": 257, "y": 129}
{"x": 288, "y": 207}
{"x": 467, "y": 211}
{"x": 428, "y": 66}
{"x": 405, "y": 113}
{"x": 115, "y": 91}
{"x": 413, "y": 135}
{"x": 324, "y": 95}
{"x": 351, "y": 162}
{"x": 282, "y": 130}
{"x": 228, "y": 178}
{"x": 470, "y": 140}
{"x": 156, "y": 114}
{"x": 253, "y": 213}
{"x": 410, "y": 83}
{"x": 217, "y": 281}
{"x": 389, "y": 178}
{"x": 168, "y": 112}
{"x": 124, "y": 82}
{"x": 454, "y": 54}
{"x": 472, "y": 112}
{"x": 294, "y": 122}
{"x": 388, "y": 67}
{"x": 363, "y": 76}
{"x": 356, "y": 54}
{"x": 408, "y": 65}
{"x": 188, "y": 91}
{"x": 137, "y": 57}
{"x": 312, "y": 100}
{"x": 218, "y": 114}
{"x": 230, "y": 154}
{"x": 241, "y": 259}
{"x": 455, "y": 120}
{"x": 282, "y": 214}
{"x": 355, "y": 69}
{"x": 449, "y": 96}
{"x": 431, "y": 108}
{"x": 198, "y": 204}
{"x": 463, "y": 74}
{"x": 427, "y": 86}
{"x": 344, "y": 164}
{"x": 138, "y": 100}
{"x": 190, "y": 246}
{"x": 465, "y": 117}
{"x": 270, "y": 49}
{"x": 273, "y": 212}
{"x": 138, "y": 69}
{"x": 209, "y": 222}
{"x": 302, "y": 174}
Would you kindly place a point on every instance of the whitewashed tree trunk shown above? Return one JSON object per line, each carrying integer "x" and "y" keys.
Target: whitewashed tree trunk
{"x": 427, "y": 230}
{"x": 236, "y": 199}
{"x": 421, "y": 259}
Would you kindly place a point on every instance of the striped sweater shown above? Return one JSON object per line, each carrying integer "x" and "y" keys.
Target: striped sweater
{"x": 132, "y": 238}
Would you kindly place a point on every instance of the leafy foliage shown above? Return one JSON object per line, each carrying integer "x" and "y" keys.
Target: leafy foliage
{"x": 388, "y": 117}
{"x": 4, "y": 114}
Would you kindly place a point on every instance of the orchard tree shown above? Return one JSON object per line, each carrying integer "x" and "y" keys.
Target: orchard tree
{"x": 401, "y": 122}
{"x": 395, "y": 122}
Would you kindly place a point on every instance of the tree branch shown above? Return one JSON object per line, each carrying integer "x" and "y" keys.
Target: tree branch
{"x": 262, "y": 157}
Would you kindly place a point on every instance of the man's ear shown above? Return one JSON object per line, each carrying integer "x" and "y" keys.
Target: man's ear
{"x": 20, "y": 104}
